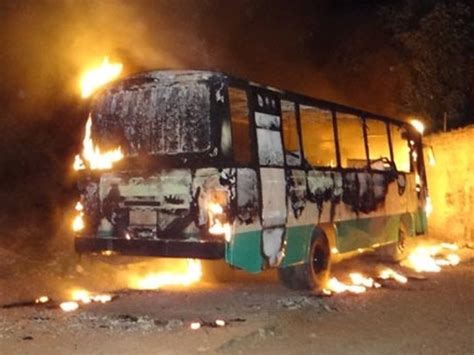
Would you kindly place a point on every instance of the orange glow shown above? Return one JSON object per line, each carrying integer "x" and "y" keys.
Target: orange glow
{"x": 391, "y": 274}
{"x": 155, "y": 281}
{"x": 422, "y": 259}
{"x": 95, "y": 158}
{"x": 94, "y": 78}
{"x": 78, "y": 221}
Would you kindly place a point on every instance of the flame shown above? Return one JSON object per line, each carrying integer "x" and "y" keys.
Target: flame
{"x": 97, "y": 77}
{"x": 69, "y": 306}
{"x": 334, "y": 285}
{"x": 422, "y": 259}
{"x": 391, "y": 274}
{"x": 216, "y": 227}
{"x": 154, "y": 281}
{"x": 419, "y": 126}
{"x": 78, "y": 222}
{"x": 93, "y": 155}
{"x": 361, "y": 280}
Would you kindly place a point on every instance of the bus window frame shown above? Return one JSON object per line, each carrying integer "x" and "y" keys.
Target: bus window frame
{"x": 389, "y": 141}
{"x": 409, "y": 134}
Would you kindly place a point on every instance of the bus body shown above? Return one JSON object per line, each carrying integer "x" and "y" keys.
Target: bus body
{"x": 285, "y": 170}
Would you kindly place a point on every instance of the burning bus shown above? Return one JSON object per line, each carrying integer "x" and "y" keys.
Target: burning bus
{"x": 199, "y": 164}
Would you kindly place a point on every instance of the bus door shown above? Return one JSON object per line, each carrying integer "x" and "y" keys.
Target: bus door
{"x": 271, "y": 160}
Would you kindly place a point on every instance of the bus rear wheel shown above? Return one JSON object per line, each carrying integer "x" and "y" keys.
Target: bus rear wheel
{"x": 314, "y": 273}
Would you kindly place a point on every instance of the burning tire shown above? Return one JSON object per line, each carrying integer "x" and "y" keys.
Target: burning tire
{"x": 313, "y": 274}
{"x": 394, "y": 252}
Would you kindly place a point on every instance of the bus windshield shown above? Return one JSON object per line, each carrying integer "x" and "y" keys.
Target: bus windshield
{"x": 154, "y": 118}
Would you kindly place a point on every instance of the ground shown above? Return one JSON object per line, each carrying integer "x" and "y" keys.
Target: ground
{"x": 426, "y": 316}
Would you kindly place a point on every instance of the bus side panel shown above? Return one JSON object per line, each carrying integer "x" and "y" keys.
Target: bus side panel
{"x": 245, "y": 251}
{"x": 298, "y": 241}
{"x": 366, "y": 232}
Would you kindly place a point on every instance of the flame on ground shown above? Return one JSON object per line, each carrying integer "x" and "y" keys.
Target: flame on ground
{"x": 361, "y": 280}
{"x": 154, "y": 281}
{"x": 94, "y": 78}
{"x": 336, "y": 286}
{"x": 431, "y": 258}
{"x": 392, "y": 274}
{"x": 69, "y": 306}
{"x": 92, "y": 154}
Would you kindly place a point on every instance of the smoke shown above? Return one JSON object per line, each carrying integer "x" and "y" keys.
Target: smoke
{"x": 46, "y": 44}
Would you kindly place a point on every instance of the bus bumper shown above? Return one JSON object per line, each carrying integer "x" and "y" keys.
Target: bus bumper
{"x": 161, "y": 247}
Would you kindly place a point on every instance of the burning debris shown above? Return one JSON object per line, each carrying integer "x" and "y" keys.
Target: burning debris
{"x": 421, "y": 259}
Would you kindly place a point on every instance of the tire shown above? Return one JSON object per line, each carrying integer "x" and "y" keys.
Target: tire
{"x": 314, "y": 273}
{"x": 394, "y": 252}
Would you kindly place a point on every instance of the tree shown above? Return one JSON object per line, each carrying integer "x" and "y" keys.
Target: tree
{"x": 435, "y": 40}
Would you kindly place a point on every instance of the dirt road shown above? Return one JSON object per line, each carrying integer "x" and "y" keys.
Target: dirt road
{"x": 431, "y": 316}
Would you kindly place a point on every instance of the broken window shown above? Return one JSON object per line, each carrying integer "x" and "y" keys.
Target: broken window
{"x": 165, "y": 118}
{"x": 351, "y": 141}
{"x": 379, "y": 148}
{"x": 270, "y": 148}
{"x": 401, "y": 150}
{"x": 239, "y": 115}
{"x": 291, "y": 139}
{"x": 317, "y": 132}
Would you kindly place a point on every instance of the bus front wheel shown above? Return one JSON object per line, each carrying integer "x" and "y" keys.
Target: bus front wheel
{"x": 314, "y": 273}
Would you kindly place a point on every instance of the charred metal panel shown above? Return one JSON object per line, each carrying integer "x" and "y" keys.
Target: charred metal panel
{"x": 324, "y": 186}
{"x": 274, "y": 211}
{"x": 365, "y": 191}
{"x": 162, "y": 115}
{"x": 272, "y": 240}
{"x": 247, "y": 196}
{"x": 297, "y": 191}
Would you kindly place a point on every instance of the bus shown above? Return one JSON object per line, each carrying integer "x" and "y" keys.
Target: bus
{"x": 216, "y": 167}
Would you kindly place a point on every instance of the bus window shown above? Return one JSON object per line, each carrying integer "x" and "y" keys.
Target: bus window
{"x": 379, "y": 147}
{"x": 401, "y": 150}
{"x": 239, "y": 115}
{"x": 291, "y": 139}
{"x": 351, "y": 141}
{"x": 317, "y": 132}
{"x": 270, "y": 149}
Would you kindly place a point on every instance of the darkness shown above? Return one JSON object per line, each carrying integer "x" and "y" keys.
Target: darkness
{"x": 335, "y": 50}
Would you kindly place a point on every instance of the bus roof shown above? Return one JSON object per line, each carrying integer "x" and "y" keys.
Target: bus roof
{"x": 170, "y": 75}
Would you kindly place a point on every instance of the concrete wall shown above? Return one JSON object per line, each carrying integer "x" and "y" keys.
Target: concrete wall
{"x": 451, "y": 184}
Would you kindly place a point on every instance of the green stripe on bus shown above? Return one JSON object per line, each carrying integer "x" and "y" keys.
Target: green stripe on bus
{"x": 244, "y": 251}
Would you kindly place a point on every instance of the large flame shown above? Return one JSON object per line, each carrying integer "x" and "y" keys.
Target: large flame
{"x": 96, "y": 77}
{"x": 95, "y": 158}
{"x": 157, "y": 280}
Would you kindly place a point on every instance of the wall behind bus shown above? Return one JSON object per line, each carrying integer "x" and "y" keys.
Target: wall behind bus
{"x": 451, "y": 184}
